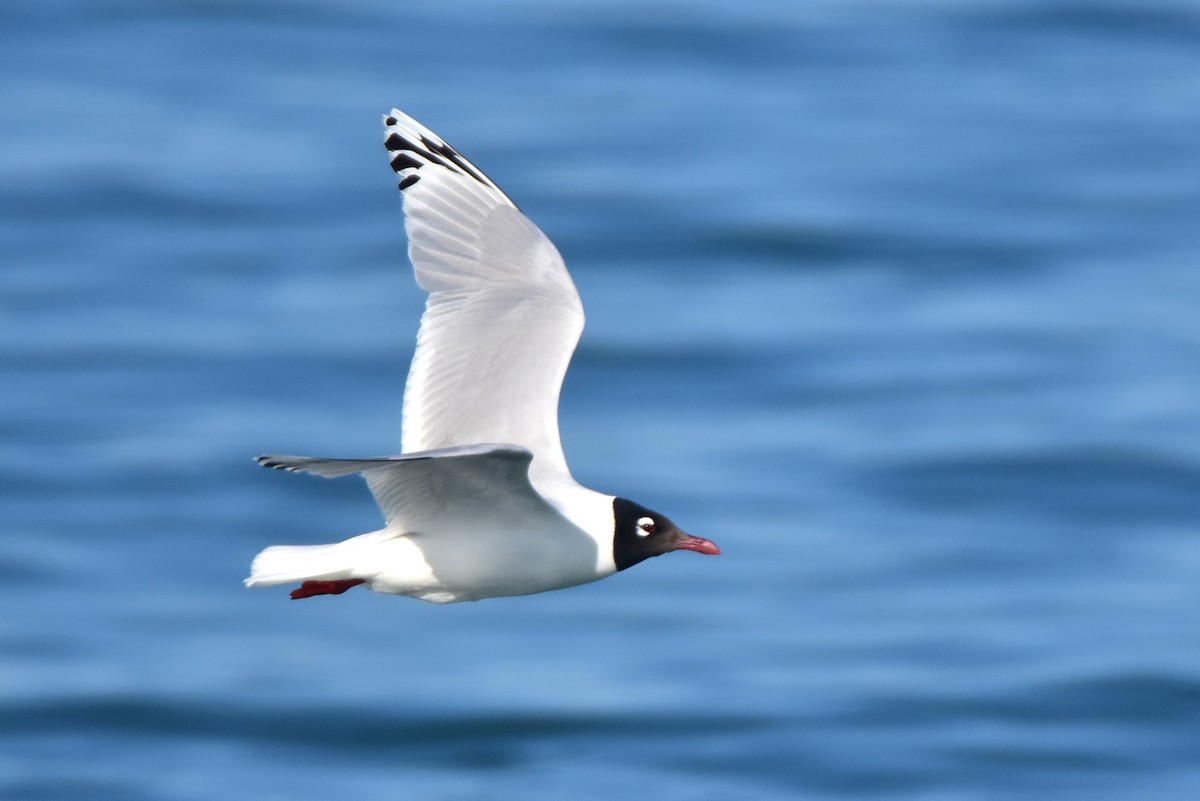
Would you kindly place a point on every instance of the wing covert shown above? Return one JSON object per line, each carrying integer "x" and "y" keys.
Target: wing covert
{"x": 487, "y": 482}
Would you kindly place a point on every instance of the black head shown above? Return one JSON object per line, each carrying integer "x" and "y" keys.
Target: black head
{"x": 640, "y": 533}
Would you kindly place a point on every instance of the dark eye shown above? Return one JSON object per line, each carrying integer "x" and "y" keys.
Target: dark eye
{"x": 645, "y": 526}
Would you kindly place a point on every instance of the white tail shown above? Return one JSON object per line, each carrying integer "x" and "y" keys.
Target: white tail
{"x": 285, "y": 564}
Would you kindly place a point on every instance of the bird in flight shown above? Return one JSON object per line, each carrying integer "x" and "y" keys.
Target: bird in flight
{"x": 480, "y": 503}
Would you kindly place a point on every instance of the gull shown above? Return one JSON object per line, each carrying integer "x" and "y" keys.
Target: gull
{"x": 480, "y": 502}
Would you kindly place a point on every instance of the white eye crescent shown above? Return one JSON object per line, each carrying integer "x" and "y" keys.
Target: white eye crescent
{"x": 645, "y": 526}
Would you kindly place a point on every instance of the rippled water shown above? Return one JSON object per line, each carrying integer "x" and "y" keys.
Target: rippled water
{"x": 896, "y": 303}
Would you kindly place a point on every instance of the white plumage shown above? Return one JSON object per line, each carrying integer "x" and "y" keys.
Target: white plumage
{"x": 481, "y": 503}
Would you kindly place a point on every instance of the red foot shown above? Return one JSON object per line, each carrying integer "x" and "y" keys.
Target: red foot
{"x": 310, "y": 588}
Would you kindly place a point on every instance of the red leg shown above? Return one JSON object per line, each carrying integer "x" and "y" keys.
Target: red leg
{"x": 310, "y": 588}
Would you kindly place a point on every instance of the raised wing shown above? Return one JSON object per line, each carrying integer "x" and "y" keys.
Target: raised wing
{"x": 503, "y": 316}
{"x": 484, "y": 483}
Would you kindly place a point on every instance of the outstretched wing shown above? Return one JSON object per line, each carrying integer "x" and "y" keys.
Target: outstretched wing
{"x": 503, "y": 316}
{"x": 484, "y": 483}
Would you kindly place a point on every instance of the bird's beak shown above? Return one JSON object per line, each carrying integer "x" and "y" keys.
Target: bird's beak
{"x": 697, "y": 544}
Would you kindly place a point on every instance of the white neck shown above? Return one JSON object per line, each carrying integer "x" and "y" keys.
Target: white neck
{"x": 587, "y": 509}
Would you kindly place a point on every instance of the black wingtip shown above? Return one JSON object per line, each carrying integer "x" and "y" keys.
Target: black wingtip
{"x": 395, "y": 141}
{"x": 403, "y": 161}
{"x": 412, "y": 147}
{"x": 271, "y": 462}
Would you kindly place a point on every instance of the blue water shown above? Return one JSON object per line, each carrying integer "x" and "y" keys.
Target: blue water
{"x": 896, "y": 302}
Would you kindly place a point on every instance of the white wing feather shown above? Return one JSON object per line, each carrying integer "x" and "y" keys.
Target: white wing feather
{"x": 503, "y": 316}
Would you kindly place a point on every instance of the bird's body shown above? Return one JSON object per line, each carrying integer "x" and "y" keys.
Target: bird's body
{"x": 481, "y": 502}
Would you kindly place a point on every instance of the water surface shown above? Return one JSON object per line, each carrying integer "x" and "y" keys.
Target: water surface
{"x": 898, "y": 305}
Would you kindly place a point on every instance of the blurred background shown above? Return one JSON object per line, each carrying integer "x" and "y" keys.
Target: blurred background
{"x": 897, "y": 302}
